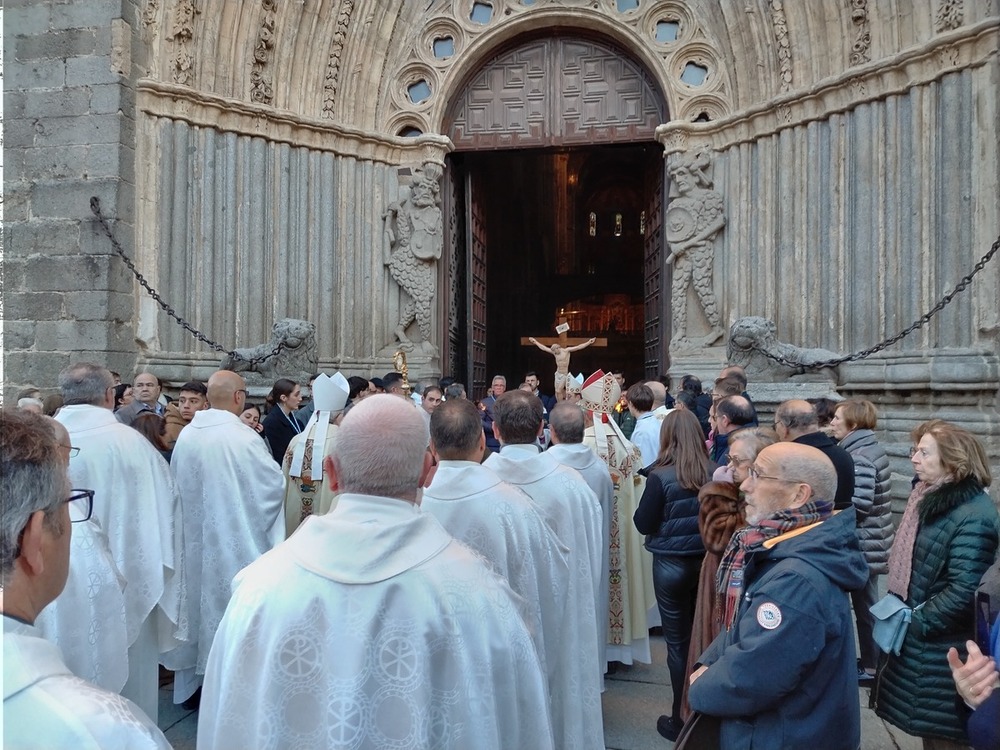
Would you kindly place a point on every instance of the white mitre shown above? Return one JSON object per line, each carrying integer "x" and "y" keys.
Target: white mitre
{"x": 574, "y": 383}
{"x": 599, "y": 394}
{"x": 329, "y": 397}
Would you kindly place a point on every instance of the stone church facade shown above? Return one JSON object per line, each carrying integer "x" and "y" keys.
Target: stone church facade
{"x": 254, "y": 159}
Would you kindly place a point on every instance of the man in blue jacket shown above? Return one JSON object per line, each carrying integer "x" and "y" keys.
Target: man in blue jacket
{"x": 782, "y": 673}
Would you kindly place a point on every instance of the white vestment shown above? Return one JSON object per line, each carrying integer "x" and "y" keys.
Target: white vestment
{"x": 87, "y": 620}
{"x": 233, "y": 493}
{"x": 503, "y": 524}
{"x": 372, "y": 628}
{"x": 595, "y": 473}
{"x": 573, "y": 512}
{"x": 646, "y": 437}
{"x": 136, "y": 504}
{"x": 305, "y": 496}
{"x": 45, "y": 706}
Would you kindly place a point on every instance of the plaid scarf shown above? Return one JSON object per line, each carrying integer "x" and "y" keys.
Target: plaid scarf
{"x": 729, "y": 578}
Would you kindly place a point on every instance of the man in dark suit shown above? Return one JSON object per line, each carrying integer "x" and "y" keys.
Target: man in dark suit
{"x": 498, "y": 389}
{"x": 548, "y": 402}
{"x": 796, "y": 421}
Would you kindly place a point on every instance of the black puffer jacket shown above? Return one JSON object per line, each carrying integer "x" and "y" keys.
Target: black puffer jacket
{"x": 871, "y": 498}
{"x": 956, "y": 542}
{"x": 668, "y": 514}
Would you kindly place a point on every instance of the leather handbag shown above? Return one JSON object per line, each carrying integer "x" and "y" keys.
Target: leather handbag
{"x": 892, "y": 618}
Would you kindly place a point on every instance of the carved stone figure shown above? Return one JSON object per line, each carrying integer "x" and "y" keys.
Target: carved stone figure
{"x": 694, "y": 217}
{"x": 414, "y": 232}
{"x": 751, "y": 335}
{"x": 297, "y": 360}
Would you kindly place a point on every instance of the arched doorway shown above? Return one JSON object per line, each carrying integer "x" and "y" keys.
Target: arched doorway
{"x": 554, "y": 199}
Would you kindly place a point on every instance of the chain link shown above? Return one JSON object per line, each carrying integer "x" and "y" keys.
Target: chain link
{"x": 95, "y": 207}
{"x": 919, "y": 323}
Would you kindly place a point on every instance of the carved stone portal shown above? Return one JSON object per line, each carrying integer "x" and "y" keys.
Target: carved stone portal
{"x": 694, "y": 217}
{"x": 413, "y": 229}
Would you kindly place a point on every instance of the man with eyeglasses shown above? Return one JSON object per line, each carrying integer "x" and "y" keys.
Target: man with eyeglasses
{"x": 137, "y": 506}
{"x": 783, "y": 670}
{"x": 44, "y": 704}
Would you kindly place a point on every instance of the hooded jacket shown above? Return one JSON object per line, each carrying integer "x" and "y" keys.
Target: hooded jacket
{"x": 784, "y": 675}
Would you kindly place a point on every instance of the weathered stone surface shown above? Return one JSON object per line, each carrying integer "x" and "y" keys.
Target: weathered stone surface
{"x": 74, "y": 130}
{"x": 54, "y": 237}
{"x": 37, "y": 368}
{"x": 76, "y": 15}
{"x": 18, "y": 335}
{"x": 94, "y": 69}
{"x": 80, "y": 335}
{"x": 58, "y": 102}
{"x": 74, "y": 273}
{"x": 72, "y": 198}
{"x": 102, "y": 305}
{"x": 34, "y": 305}
{"x": 38, "y": 74}
{"x": 55, "y": 45}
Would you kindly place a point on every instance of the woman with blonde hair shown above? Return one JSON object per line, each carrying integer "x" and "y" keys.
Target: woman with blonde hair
{"x": 946, "y": 540}
{"x": 853, "y": 424}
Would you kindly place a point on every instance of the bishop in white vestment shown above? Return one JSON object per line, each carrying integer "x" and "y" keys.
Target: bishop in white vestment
{"x": 233, "y": 494}
{"x": 371, "y": 627}
{"x": 573, "y": 513}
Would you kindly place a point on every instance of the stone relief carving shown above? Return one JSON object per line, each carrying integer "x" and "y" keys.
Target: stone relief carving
{"x": 751, "y": 335}
{"x": 336, "y": 51}
{"x": 950, "y": 15}
{"x": 182, "y": 33}
{"x": 149, "y": 12}
{"x": 693, "y": 219}
{"x": 861, "y": 51}
{"x": 297, "y": 360}
{"x": 413, "y": 229}
{"x": 784, "y": 48}
{"x": 261, "y": 90}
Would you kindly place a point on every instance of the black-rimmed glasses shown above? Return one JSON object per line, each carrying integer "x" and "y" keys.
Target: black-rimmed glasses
{"x": 73, "y": 452}
{"x": 83, "y": 501}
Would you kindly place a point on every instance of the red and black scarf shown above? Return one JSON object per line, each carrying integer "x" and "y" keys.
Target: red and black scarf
{"x": 729, "y": 578}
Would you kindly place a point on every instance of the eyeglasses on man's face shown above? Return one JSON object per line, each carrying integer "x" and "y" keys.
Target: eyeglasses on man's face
{"x": 73, "y": 452}
{"x": 83, "y": 501}
{"x": 754, "y": 473}
{"x": 736, "y": 460}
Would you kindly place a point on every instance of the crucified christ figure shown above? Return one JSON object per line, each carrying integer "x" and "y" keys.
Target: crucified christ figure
{"x": 561, "y": 355}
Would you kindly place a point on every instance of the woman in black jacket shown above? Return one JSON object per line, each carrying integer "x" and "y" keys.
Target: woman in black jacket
{"x": 668, "y": 515}
{"x": 280, "y": 424}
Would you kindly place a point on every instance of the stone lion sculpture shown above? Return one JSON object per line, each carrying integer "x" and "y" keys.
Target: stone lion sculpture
{"x": 750, "y": 336}
{"x": 297, "y": 360}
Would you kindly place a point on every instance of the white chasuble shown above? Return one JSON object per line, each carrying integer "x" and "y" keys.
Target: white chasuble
{"x": 631, "y": 584}
{"x": 45, "y": 706}
{"x": 232, "y": 492}
{"x": 572, "y": 511}
{"x": 305, "y": 496}
{"x": 372, "y": 628}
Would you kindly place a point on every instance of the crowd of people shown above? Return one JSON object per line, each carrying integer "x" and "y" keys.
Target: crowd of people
{"x": 355, "y": 565}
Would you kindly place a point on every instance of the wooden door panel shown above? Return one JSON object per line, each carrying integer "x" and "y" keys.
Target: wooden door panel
{"x": 476, "y": 290}
{"x": 656, "y": 292}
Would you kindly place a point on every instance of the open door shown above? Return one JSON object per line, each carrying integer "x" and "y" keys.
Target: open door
{"x": 657, "y": 278}
{"x": 475, "y": 290}
{"x": 451, "y": 282}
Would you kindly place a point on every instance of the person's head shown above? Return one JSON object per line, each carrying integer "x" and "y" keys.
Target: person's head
{"x": 744, "y": 445}
{"x": 499, "y": 385}
{"x": 153, "y": 427}
{"x": 682, "y": 445}
{"x": 825, "y": 410}
{"x": 51, "y": 404}
{"x": 227, "y": 391}
{"x": 851, "y": 415}
{"x": 393, "y": 383}
{"x": 285, "y": 394}
{"x": 517, "y": 418}
{"x": 946, "y": 452}
{"x": 431, "y": 399}
{"x": 566, "y": 424}
{"x": 444, "y": 382}
{"x": 787, "y": 476}
{"x": 34, "y": 405}
{"x": 381, "y": 449}
{"x": 193, "y": 398}
{"x": 87, "y": 383}
{"x": 686, "y": 400}
{"x": 455, "y": 391}
{"x": 116, "y": 377}
{"x": 795, "y": 418}
{"x": 737, "y": 373}
{"x": 123, "y": 395}
{"x": 691, "y": 384}
{"x": 639, "y": 398}
{"x": 378, "y": 385}
{"x": 29, "y": 392}
{"x": 457, "y": 431}
{"x": 35, "y": 526}
{"x": 250, "y": 416}
{"x": 359, "y": 388}
{"x": 146, "y": 388}
{"x": 726, "y": 387}
{"x": 659, "y": 392}
{"x": 731, "y": 413}
{"x": 526, "y": 388}
{"x": 619, "y": 377}
{"x": 531, "y": 379}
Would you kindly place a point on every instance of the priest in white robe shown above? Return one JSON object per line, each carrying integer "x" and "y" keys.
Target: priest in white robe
{"x": 44, "y": 704}
{"x": 566, "y": 426}
{"x": 371, "y": 627}
{"x": 573, "y": 512}
{"x": 306, "y": 493}
{"x": 501, "y": 523}
{"x": 233, "y": 494}
{"x": 631, "y": 596}
{"x": 136, "y": 504}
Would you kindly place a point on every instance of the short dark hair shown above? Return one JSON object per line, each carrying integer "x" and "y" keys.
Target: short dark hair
{"x": 518, "y": 415}
{"x": 391, "y": 380}
{"x": 691, "y": 384}
{"x": 445, "y": 382}
{"x": 455, "y": 428}
{"x": 356, "y": 384}
{"x": 640, "y": 396}
{"x": 430, "y": 388}
{"x": 728, "y": 387}
{"x": 567, "y": 420}
{"x": 736, "y": 409}
{"x": 529, "y": 373}
{"x": 193, "y": 386}
{"x": 455, "y": 391}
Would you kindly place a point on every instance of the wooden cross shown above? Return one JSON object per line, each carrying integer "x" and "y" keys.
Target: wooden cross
{"x": 562, "y": 339}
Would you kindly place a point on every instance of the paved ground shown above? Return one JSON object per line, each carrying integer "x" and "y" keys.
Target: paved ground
{"x": 634, "y": 697}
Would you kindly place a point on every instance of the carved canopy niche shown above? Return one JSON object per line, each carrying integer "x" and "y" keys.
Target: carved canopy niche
{"x": 556, "y": 91}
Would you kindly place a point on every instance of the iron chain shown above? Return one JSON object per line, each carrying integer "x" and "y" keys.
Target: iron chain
{"x": 95, "y": 207}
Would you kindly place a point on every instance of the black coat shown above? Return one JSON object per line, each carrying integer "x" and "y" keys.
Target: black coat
{"x": 279, "y": 432}
{"x": 842, "y": 463}
{"x": 668, "y": 514}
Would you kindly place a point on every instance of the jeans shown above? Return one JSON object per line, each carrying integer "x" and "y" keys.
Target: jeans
{"x": 675, "y": 582}
{"x": 862, "y": 600}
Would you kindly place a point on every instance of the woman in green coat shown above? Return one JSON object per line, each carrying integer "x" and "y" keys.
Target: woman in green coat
{"x": 946, "y": 540}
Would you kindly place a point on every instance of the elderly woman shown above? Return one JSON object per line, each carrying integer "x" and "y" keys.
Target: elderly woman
{"x": 946, "y": 540}
{"x": 853, "y": 424}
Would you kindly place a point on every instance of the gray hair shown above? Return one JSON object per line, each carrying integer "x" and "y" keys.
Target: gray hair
{"x": 755, "y": 439}
{"x": 501, "y": 378}
{"x": 34, "y": 479}
{"x": 380, "y": 447}
{"x": 455, "y": 390}
{"x": 85, "y": 383}
{"x": 566, "y": 420}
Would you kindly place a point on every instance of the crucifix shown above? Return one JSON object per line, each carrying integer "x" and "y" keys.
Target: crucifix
{"x": 560, "y": 348}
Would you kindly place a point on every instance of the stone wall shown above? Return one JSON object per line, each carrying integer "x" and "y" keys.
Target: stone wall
{"x": 69, "y": 134}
